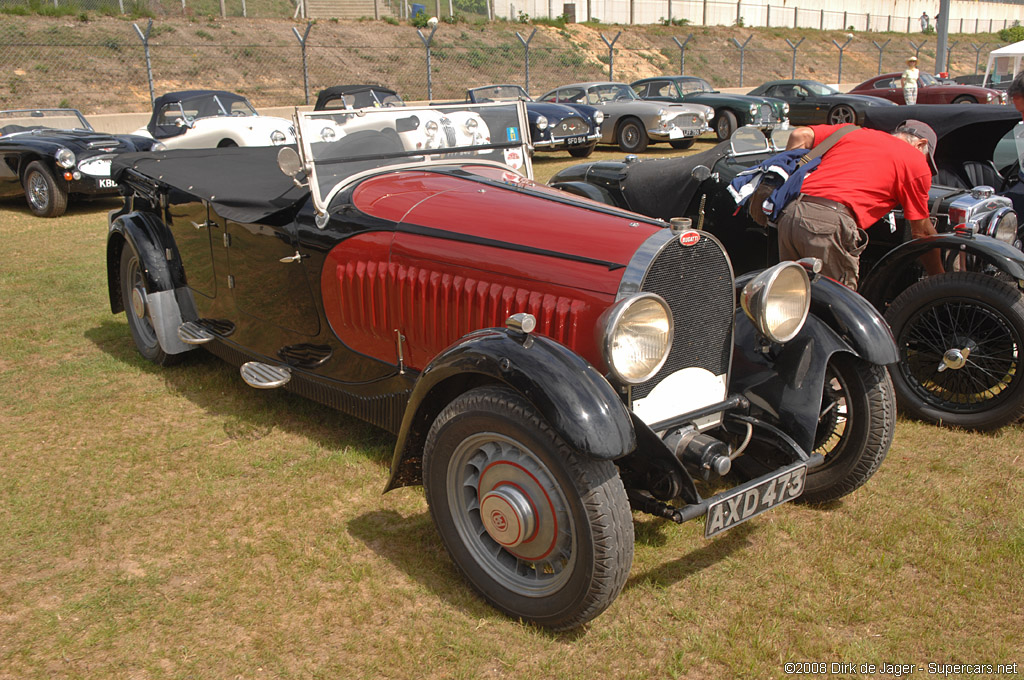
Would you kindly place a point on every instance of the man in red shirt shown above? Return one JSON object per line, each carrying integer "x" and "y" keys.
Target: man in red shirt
{"x": 859, "y": 180}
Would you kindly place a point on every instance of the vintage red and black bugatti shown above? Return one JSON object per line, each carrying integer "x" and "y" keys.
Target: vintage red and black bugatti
{"x": 547, "y": 363}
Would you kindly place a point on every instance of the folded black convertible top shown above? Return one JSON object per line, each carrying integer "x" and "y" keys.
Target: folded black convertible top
{"x": 243, "y": 184}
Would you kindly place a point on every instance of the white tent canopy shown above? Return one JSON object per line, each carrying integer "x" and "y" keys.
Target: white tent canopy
{"x": 1002, "y": 58}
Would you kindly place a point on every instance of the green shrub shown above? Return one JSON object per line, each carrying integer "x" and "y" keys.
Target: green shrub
{"x": 391, "y": 20}
{"x": 1012, "y": 34}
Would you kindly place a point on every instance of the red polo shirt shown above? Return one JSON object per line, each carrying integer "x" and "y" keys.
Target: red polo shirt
{"x": 870, "y": 172}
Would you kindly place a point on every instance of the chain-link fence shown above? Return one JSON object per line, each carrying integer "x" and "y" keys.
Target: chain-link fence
{"x": 118, "y": 66}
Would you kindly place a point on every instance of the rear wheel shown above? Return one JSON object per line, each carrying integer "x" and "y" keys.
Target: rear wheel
{"x": 842, "y": 114}
{"x": 961, "y": 342}
{"x": 632, "y": 137}
{"x": 725, "y": 125}
{"x": 46, "y": 198}
{"x": 226, "y": 143}
{"x": 137, "y": 309}
{"x": 542, "y": 532}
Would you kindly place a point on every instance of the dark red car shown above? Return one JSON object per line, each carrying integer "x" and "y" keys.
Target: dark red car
{"x": 546, "y": 363}
{"x": 929, "y": 91}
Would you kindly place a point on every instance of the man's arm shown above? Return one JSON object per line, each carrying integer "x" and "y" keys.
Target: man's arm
{"x": 801, "y": 138}
{"x": 931, "y": 260}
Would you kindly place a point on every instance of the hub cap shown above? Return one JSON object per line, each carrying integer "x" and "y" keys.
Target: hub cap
{"x": 38, "y": 191}
{"x": 954, "y": 358}
{"x": 507, "y": 515}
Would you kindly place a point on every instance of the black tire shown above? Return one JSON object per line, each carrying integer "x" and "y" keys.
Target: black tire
{"x": 682, "y": 143}
{"x": 492, "y": 439}
{"x": 136, "y": 308}
{"x": 45, "y": 196}
{"x": 933, "y": 321}
{"x": 227, "y": 144}
{"x": 725, "y": 125}
{"x": 582, "y": 151}
{"x": 965, "y": 99}
{"x": 631, "y": 136}
{"x": 840, "y": 114}
{"x": 855, "y": 429}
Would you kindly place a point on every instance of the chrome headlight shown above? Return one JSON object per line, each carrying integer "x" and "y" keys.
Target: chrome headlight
{"x": 785, "y": 108}
{"x": 65, "y": 158}
{"x": 158, "y": 146}
{"x": 542, "y": 123}
{"x": 470, "y": 126}
{"x": 598, "y": 117}
{"x": 754, "y": 109}
{"x": 1003, "y": 225}
{"x": 328, "y": 134}
{"x": 777, "y": 301}
{"x": 636, "y": 336}
{"x": 430, "y": 128}
{"x": 278, "y": 137}
{"x": 988, "y": 97}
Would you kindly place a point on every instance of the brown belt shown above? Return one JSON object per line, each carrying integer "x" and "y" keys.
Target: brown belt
{"x": 835, "y": 205}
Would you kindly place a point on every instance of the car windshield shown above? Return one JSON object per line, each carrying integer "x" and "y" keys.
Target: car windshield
{"x": 819, "y": 88}
{"x": 22, "y": 120}
{"x": 610, "y": 92}
{"x": 209, "y": 106}
{"x": 694, "y": 85}
{"x": 499, "y": 93}
{"x": 927, "y": 79}
{"x": 338, "y": 146}
{"x": 364, "y": 99}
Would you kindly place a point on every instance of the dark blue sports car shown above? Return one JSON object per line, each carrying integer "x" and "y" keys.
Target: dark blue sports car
{"x": 553, "y": 127}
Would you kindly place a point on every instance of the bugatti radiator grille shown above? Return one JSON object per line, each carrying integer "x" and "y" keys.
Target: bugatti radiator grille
{"x": 697, "y": 283}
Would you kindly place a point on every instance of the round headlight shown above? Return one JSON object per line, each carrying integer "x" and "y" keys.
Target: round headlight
{"x": 65, "y": 158}
{"x": 430, "y": 128}
{"x": 542, "y": 123}
{"x": 278, "y": 137}
{"x": 753, "y": 109}
{"x": 328, "y": 134}
{"x": 1003, "y": 225}
{"x": 471, "y": 125}
{"x": 158, "y": 146}
{"x": 598, "y": 117}
{"x": 777, "y": 301}
{"x": 785, "y": 108}
{"x": 637, "y": 336}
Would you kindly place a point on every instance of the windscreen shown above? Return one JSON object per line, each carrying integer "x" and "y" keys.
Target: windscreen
{"x": 34, "y": 119}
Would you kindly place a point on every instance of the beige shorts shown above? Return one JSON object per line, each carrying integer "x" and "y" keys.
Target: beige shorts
{"x": 813, "y": 230}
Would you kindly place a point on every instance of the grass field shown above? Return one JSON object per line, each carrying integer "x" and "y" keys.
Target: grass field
{"x": 175, "y": 523}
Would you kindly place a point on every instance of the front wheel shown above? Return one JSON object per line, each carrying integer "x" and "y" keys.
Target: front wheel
{"x": 582, "y": 151}
{"x": 725, "y": 125}
{"x": 842, "y": 114}
{"x": 682, "y": 143}
{"x": 542, "y": 532}
{"x": 965, "y": 99}
{"x": 856, "y": 422}
{"x": 961, "y": 337}
{"x": 632, "y": 136}
{"x": 136, "y": 307}
{"x": 46, "y": 198}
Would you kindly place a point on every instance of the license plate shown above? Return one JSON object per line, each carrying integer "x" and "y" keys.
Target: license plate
{"x": 574, "y": 141}
{"x": 107, "y": 184}
{"x": 743, "y": 504}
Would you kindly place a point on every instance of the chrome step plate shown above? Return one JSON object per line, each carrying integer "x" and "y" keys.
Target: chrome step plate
{"x": 192, "y": 333}
{"x": 265, "y": 376}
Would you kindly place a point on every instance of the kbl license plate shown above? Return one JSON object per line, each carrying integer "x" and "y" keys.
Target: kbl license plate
{"x": 107, "y": 184}
{"x": 743, "y": 504}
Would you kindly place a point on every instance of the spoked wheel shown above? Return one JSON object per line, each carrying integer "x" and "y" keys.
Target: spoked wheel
{"x": 632, "y": 136}
{"x": 542, "y": 532}
{"x": 725, "y": 125}
{"x": 137, "y": 309}
{"x": 961, "y": 338}
{"x": 856, "y": 423}
{"x": 45, "y": 197}
{"x": 842, "y": 114}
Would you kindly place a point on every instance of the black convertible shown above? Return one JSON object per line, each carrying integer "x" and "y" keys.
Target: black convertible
{"x": 812, "y": 103}
{"x": 960, "y": 334}
{"x": 49, "y": 155}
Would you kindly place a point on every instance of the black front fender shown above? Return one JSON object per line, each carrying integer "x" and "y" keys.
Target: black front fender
{"x": 147, "y": 236}
{"x": 876, "y": 284}
{"x": 854, "y": 319}
{"x": 568, "y": 392}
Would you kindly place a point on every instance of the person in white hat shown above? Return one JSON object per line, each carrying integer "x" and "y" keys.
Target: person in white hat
{"x": 909, "y": 81}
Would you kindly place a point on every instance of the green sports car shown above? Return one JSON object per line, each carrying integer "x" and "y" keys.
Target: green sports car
{"x": 731, "y": 110}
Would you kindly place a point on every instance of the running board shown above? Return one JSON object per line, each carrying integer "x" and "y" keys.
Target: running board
{"x": 265, "y": 376}
{"x": 192, "y": 333}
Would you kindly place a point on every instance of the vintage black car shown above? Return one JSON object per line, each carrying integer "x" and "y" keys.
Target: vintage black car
{"x": 52, "y": 155}
{"x": 961, "y": 334}
{"x": 731, "y": 110}
{"x": 546, "y": 362}
{"x": 553, "y": 127}
{"x": 814, "y": 103}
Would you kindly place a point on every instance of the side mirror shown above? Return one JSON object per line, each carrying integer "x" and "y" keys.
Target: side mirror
{"x": 700, "y": 173}
{"x": 289, "y": 163}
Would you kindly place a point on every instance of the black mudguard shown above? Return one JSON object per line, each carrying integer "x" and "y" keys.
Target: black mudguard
{"x": 147, "y": 236}
{"x": 568, "y": 392}
{"x": 853, "y": 319}
{"x": 587, "y": 190}
{"x": 876, "y": 284}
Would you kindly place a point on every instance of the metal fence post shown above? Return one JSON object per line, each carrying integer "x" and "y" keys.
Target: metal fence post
{"x": 796, "y": 17}
{"x": 426, "y": 43}
{"x": 768, "y": 16}
{"x": 526, "y": 46}
{"x": 682, "y": 52}
{"x": 880, "y": 49}
{"x": 145, "y": 47}
{"x": 792, "y": 46}
{"x": 839, "y": 77}
{"x": 977, "y": 53}
{"x": 743, "y": 53}
{"x": 611, "y": 54}
{"x": 305, "y": 68}
{"x": 917, "y": 48}
{"x": 949, "y": 51}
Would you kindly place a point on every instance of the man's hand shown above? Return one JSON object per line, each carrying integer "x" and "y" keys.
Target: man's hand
{"x": 801, "y": 138}
{"x": 931, "y": 260}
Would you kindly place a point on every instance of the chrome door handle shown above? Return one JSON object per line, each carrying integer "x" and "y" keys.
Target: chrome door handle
{"x": 197, "y": 225}
{"x": 297, "y": 257}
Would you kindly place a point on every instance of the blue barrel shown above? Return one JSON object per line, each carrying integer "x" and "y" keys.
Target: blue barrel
{"x": 418, "y": 9}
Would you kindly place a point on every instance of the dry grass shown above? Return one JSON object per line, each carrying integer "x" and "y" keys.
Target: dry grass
{"x": 178, "y": 524}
